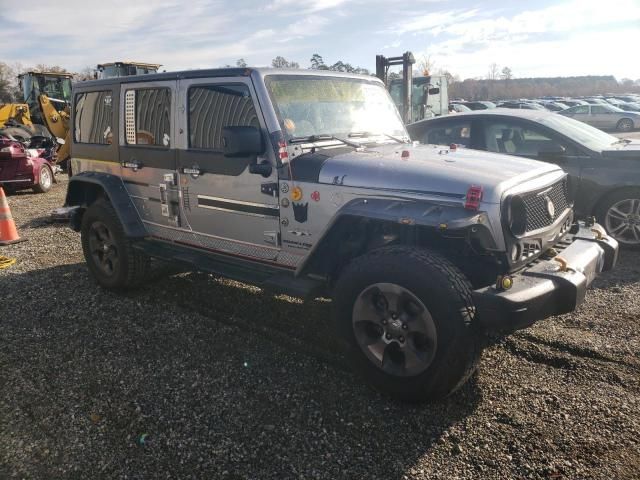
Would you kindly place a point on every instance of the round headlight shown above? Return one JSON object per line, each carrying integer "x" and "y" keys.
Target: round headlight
{"x": 517, "y": 216}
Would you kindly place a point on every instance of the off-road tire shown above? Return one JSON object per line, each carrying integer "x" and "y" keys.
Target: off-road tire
{"x": 446, "y": 293}
{"x": 133, "y": 265}
{"x": 625, "y": 125}
{"x": 610, "y": 201}
{"x": 44, "y": 186}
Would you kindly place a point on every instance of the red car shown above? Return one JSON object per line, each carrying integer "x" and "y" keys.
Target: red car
{"x": 22, "y": 167}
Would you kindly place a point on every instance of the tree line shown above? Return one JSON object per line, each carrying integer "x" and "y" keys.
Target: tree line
{"x": 498, "y": 83}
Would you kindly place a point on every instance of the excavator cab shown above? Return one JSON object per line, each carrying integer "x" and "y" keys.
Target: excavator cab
{"x": 125, "y": 69}
{"x": 56, "y": 86}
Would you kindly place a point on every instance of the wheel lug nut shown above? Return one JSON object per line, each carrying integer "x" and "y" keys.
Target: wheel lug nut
{"x": 401, "y": 339}
{"x": 404, "y": 326}
{"x": 384, "y": 321}
{"x": 388, "y": 336}
{"x": 394, "y": 316}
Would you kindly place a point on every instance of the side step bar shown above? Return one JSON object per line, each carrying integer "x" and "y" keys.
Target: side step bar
{"x": 269, "y": 278}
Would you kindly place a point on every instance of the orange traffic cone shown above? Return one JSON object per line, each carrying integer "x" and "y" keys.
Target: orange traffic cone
{"x": 8, "y": 232}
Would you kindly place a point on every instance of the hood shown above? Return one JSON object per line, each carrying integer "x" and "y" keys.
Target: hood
{"x": 433, "y": 170}
{"x": 624, "y": 150}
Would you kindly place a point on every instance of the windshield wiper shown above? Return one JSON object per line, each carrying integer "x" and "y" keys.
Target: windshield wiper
{"x": 370, "y": 134}
{"x": 322, "y": 137}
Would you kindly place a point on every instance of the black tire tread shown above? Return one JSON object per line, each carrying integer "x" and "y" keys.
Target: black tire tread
{"x": 465, "y": 354}
{"x": 137, "y": 264}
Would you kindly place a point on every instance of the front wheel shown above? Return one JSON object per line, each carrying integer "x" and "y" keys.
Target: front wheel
{"x": 408, "y": 319}
{"x": 109, "y": 254}
{"x": 45, "y": 179}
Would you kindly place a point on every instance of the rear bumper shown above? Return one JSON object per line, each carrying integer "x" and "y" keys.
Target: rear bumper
{"x": 544, "y": 288}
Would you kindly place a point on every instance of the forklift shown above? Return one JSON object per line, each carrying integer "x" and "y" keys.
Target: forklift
{"x": 416, "y": 97}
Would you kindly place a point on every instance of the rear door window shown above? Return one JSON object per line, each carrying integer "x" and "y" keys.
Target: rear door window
{"x": 147, "y": 117}
{"x": 93, "y": 118}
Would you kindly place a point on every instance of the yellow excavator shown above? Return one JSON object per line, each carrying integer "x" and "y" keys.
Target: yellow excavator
{"x": 47, "y": 98}
{"x": 44, "y": 113}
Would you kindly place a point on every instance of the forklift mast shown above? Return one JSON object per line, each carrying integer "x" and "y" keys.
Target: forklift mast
{"x": 382, "y": 71}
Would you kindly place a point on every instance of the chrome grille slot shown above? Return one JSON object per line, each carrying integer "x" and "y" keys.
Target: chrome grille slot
{"x": 544, "y": 207}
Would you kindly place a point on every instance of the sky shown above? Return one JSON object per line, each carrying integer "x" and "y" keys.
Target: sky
{"x": 532, "y": 38}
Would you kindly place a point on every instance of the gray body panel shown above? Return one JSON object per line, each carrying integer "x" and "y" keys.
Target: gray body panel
{"x": 230, "y": 210}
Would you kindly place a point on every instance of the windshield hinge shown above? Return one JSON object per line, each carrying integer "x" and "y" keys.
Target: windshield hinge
{"x": 270, "y": 189}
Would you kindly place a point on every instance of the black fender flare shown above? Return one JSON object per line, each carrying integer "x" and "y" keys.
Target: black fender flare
{"x": 82, "y": 191}
{"x": 446, "y": 217}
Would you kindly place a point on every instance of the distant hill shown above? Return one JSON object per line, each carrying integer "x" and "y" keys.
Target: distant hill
{"x": 473, "y": 89}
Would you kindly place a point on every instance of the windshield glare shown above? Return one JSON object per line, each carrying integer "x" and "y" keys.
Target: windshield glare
{"x": 589, "y": 136}
{"x": 312, "y": 105}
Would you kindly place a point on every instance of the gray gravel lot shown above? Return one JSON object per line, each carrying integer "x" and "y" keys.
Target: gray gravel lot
{"x": 227, "y": 382}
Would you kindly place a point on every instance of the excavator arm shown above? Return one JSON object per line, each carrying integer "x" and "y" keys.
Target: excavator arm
{"x": 57, "y": 122}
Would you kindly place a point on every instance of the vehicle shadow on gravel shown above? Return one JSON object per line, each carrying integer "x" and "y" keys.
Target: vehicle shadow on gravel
{"x": 626, "y": 271}
{"x": 227, "y": 381}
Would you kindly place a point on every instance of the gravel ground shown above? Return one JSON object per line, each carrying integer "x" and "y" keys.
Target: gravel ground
{"x": 197, "y": 377}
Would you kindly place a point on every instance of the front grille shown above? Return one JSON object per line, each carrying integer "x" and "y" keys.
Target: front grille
{"x": 544, "y": 207}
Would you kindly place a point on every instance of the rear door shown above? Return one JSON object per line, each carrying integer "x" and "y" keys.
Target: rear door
{"x": 147, "y": 152}
{"x": 227, "y": 207}
{"x": 601, "y": 116}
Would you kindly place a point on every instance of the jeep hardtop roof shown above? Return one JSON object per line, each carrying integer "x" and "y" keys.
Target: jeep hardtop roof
{"x": 220, "y": 72}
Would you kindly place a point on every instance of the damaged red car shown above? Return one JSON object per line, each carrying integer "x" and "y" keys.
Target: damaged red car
{"x": 23, "y": 166}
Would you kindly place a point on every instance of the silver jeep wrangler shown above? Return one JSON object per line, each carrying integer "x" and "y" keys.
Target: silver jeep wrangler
{"x": 306, "y": 183}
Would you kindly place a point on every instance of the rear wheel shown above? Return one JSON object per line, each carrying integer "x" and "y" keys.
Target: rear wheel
{"x": 619, "y": 213}
{"x": 408, "y": 319}
{"x": 625, "y": 125}
{"x": 109, "y": 254}
{"x": 45, "y": 179}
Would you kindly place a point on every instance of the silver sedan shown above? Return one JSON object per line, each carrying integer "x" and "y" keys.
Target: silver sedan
{"x": 605, "y": 117}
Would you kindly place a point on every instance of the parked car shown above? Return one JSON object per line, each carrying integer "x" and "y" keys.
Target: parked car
{"x": 604, "y": 117}
{"x": 604, "y": 170}
{"x": 572, "y": 102}
{"x": 629, "y": 107}
{"x": 479, "y": 105}
{"x": 555, "y": 106}
{"x": 521, "y": 105}
{"x": 458, "y": 108}
{"x": 306, "y": 182}
{"x": 22, "y": 167}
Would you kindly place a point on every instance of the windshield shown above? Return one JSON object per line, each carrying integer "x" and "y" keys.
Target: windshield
{"x": 589, "y": 136}
{"x": 55, "y": 87}
{"x": 309, "y": 105}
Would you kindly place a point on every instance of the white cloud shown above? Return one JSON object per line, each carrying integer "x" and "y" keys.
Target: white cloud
{"x": 304, "y": 6}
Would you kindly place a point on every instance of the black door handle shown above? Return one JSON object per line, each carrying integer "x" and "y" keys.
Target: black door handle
{"x": 133, "y": 164}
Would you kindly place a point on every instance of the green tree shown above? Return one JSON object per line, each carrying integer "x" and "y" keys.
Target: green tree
{"x": 317, "y": 62}
{"x": 241, "y": 63}
{"x": 281, "y": 62}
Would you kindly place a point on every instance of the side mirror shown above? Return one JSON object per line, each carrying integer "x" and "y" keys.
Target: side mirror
{"x": 242, "y": 141}
{"x": 434, "y": 91}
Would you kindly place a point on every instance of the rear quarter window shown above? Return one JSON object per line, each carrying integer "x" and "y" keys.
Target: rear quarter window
{"x": 93, "y": 118}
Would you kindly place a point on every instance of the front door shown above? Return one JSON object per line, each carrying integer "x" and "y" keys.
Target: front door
{"x": 531, "y": 140}
{"x": 225, "y": 206}
{"x": 147, "y": 153}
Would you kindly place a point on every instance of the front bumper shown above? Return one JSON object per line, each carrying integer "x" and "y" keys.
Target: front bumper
{"x": 546, "y": 287}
